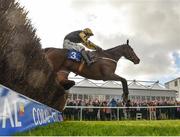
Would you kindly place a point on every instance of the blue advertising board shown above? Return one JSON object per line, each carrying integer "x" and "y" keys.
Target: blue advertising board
{"x": 19, "y": 113}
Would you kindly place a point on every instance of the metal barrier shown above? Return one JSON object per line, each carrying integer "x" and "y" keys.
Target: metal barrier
{"x": 121, "y": 113}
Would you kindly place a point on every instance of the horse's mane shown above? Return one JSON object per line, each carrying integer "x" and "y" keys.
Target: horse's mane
{"x": 114, "y": 48}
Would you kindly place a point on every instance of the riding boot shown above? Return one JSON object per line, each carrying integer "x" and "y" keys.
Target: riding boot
{"x": 86, "y": 58}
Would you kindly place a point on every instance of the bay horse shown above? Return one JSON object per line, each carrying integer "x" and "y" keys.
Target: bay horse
{"x": 102, "y": 69}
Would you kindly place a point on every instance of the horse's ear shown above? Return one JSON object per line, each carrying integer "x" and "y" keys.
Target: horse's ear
{"x": 127, "y": 41}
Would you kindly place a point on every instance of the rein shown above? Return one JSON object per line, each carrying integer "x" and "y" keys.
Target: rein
{"x": 104, "y": 58}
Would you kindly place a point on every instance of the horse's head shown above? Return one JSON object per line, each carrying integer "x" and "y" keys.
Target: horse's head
{"x": 130, "y": 54}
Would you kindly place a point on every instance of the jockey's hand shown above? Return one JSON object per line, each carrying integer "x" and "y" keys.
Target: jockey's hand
{"x": 98, "y": 48}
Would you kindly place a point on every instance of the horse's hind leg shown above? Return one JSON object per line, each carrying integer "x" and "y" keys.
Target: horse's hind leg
{"x": 124, "y": 85}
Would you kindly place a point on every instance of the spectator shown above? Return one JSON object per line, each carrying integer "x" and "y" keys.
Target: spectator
{"x": 111, "y": 113}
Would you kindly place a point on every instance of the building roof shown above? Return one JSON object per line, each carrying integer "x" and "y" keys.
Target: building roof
{"x": 158, "y": 86}
{"x": 136, "y": 88}
{"x": 136, "y": 85}
{"x": 86, "y": 83}
{"x": 172, "y": 80}
{"x": 111, "y": 84}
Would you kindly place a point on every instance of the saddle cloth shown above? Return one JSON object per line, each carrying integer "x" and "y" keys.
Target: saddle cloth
{"x": 74, "y": 55}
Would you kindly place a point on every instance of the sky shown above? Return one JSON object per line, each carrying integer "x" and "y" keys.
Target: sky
{"x": 152, "y": 27}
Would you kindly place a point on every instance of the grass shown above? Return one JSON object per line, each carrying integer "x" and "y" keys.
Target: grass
{"x": 108, "y": 128}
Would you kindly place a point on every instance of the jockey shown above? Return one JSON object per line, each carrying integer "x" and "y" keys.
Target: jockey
{"x": 72, "y": 40}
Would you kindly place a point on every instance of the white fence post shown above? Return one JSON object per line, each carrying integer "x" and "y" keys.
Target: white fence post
{"x": 118, "y": 114}
{"x": 81, "y": 114}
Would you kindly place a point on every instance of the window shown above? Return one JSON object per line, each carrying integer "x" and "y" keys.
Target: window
{"x": 138, "y": 98}
{"x": 157, "y": 98}
{"x": 163, "y": 98}
{"x": 172, "y": 99}
{"x": 107, "y": 97}
{"x": 85, "y": 96}
{"x": 167, "y": 98}
{"x": 133, "y": 98}
{"x": 70, "y": 95}
{"x": 90, "y": 96}
{"x": 80, "y": 96}
{"x": 101, "y": 97}
{"x": 74, "y": 96}
{"x": 176, "y": 83}
{"x": 153, "y": 98}
{"x": 148, "y": 98}
{"x": 143, "y": 98}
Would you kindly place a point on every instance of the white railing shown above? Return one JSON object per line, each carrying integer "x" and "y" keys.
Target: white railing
{"x": 151, "y": 110}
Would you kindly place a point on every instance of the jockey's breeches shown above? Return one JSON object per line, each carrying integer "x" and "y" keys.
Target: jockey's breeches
{"x": 71, "y": 45}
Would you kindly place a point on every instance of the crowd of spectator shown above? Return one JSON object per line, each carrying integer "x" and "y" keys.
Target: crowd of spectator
{"x": 110, "y": 112}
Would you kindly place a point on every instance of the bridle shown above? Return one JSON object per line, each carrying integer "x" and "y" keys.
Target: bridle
{"x": 127, "y": 51}
{"x": 128, "y": 55}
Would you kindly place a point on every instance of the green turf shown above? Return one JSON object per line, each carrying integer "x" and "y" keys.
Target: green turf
{"x": 109, "y": 128}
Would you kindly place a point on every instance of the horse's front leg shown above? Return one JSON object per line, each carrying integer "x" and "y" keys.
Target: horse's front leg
{"x": 62, "y": 78}
{"x": 124, "y": 85}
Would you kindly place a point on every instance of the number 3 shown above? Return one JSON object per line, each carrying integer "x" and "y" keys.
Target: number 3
{"x": 73, "y": 55}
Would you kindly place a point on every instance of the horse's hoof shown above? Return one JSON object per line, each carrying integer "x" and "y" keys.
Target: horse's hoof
{"x": 68, "y": 85}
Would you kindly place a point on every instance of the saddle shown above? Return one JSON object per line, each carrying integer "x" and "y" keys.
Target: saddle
{"x": 76, "y": 56}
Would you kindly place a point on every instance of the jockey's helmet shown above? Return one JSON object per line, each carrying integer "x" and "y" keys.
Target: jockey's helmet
{"x": 88, "y": 31}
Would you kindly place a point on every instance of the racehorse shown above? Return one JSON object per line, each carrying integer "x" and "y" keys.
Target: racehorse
{"x": 102, "y": 69}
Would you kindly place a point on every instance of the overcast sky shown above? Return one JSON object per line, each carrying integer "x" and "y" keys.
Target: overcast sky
{"x": 152, "y": 26}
